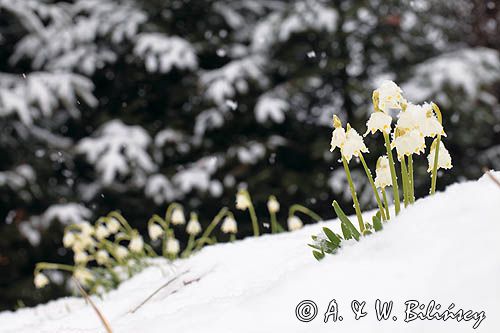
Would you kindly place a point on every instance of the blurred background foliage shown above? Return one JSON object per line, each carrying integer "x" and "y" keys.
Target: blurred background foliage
{"x": 130, "y": 105}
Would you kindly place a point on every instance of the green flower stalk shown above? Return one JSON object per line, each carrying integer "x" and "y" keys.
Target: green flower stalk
{"x": 273, "y": 206}
{"x": 244, "y": 202}
{"x": 304, "y": 210}
{"x": 395, "y": 187}
{"x": 411, "y": 179}
{"x": 386, "y": 204}
{"x": 354, "y": 196}
{"x": 374, "y": 188}
{"x": 404, "y": 174}
{"x": 205, "y": 237}
{"x": 436, "y": 156}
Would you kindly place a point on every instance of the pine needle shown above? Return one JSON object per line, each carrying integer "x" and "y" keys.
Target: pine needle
{"x": 104, "y": 322}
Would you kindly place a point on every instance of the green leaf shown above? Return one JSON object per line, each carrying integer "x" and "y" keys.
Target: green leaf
{"x": 353, "y": 232}
{"x": 318, "y": 255}
{"x": 334, "y": 239}
{"x": 315, "y": 246}
{"x": 377, "y": 223}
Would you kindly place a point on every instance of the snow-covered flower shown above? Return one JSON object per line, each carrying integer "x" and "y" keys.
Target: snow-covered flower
{"x": 101, "y": 257}
{"x": 68, "y": 239}
{"x": 83, "y": 275}
{"x": 383, "y": 172}
{"x": 136, "y": 244}
{"x": 40, "y": 280}
{"x": 86, "y": 228}
{"x": 193, "y": 227}
{"x": 444, "y": 157}
{"x": 155, "y": 231}
{"x": 242, "y": 200}
{"x": 81, "y": 257}
{"x": 172, "y": 246}
{"x": 101, "y": 232}
{"x": 379, "y": 121}
{"x": 422, "y": 118}
{"x": 113, "y": 225}
{"x": 273, "y": 206}
{"x": 229, "y": 225}
{"x": 178, "y": 216}
{"x": 121, "y": 252}
{"x": 408, "y": 142}
{"x": 354, "y": 144}
{"x": 294, "y": 223}
{"x": 338, "y": 134}
{"x": 388, "y": 96}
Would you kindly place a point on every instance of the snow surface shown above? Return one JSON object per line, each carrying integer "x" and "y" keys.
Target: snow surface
{"x": 444, "y": 248}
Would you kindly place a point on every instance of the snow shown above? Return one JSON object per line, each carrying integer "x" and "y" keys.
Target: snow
{"x": 443, "y": 248}
{"x": 270, "y": 108}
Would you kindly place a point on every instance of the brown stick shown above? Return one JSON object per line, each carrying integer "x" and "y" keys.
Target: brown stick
{"x": 104, "y": 322}
{"x": 492, "y": 177}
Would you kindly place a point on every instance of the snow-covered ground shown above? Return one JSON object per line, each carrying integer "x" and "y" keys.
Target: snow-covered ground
{"x": 445, "y": 248}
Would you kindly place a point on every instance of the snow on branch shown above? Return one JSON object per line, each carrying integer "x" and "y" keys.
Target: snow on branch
{"x": 162, "y": 53}
{"x": 467, "y": 70}
{"x": 19, "y": 180}
{"x": 41, "y": 93}
{"x": 118, "y": 150}
{"x": 271, "y": 108}
{"x": 197, "y": 176}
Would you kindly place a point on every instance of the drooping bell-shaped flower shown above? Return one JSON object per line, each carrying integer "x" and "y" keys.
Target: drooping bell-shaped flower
{"x": 68, "y": 239}
{"x": 353, "y": 145}
{"x": 193, "y": 227}
{"x": 273, "y": 206}
{"x": 378, "y": 121}
{"x": 101, "y": 232}
{"x": 444, "y": 157}
{"x": 136, "y": 244}
{"x": 242, "y": 200}
{"x": 40, "y": 280}
{"x": 83, "y": 275}
{"x": 178, "y": 216}
{"x": 408, "y": 142}
{"x": 383, "y": 173}
{"x": 172, "y": 246}
{"x": 338, "y": 134}
{"x": 294, "y": 223}
{"x": 229, "y": 225}
{"x": 155, "y": 231}
{"x": 388, "y": 96}
{"x": 102, "y": 257}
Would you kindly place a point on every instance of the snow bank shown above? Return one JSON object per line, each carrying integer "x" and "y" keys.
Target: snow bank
{"x": 443, "y": 248}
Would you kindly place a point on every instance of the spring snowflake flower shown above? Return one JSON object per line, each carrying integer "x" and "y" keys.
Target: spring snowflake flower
{"x": 383, "y": 172}
{"x": 379, "y": 121}
{"x": 338, "y": 134}
{"x": 101, "y": 232}
{"x": 81, "y": 257}
{"x": 294, "y": 223}
{"x": 113, "y": 225}
{"x": 83, "y": 275}
{"x": 388, "y": 97}
{"x": 242, "y": 200}
{"x": 40, "y": 280}
{"x": 86, "y": 228}
{"x": 172, "y": 246}
{"x": 422, "y": 118}
{"x": 178, "y": 217}
{"x": 102, "y": 257}
{"x": 408, "y": 142}
{"x": 155, "y": 231}
{"x": 353, "y": 145}
{"x": 136, "y": 244}
{"x": 229, "y": 225}
{"x": 273, "y": 206}
{"x": 193, "y": 227}
{"x": 68, "y": 239}
{"x": 444, "y": 157}
{"x": 121, "y": 252}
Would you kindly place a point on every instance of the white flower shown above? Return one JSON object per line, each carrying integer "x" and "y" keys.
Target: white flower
{"x": 178, "y": 217}
{"x": 242, "y": 200}
{"x": 444, "y": 158}
{"x": 388, "y": 96}
{"x": 229, "y": 225}
{"x": 113, "y": 225}
{"x": 83, "y": 275}
{"x": 383, "y": 172}
{"x": 172, "y": 246}
{"x": 273, "y": 206}
{"x": 102, "y": 257}
{"x": 136, "y": 244}
{"x": 155, "y": 231}
{"x": 68, "y": 239}
{"x": 121, "y": 252}
{"x": 40, "y": 280}
{"x": 101, "y": 232}
{"x": 193, "y": 227}
{"x": 353, "y": 145}
{"x": 294, "y": 223}
{"x": 338, "y": 134}
{"x": 81, "y": 257}
{"x": 422, "y": 118}
{"x": 379, "y": 121}
{"x": 86, "y": 228}
{"x": 82, "y": 242}
{"x": 408, "y": 142}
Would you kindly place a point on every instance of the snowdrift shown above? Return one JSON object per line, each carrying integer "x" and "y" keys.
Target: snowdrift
{"x": 445, "y": 248}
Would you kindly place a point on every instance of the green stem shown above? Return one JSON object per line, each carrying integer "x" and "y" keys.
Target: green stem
{"x": 393, "y": 173}
{"x": 404, "y": 174}
{"x": 274, "y": 223}
{"x": 304, "y": 210}
{"x": 253, "y": 216}
{"x": 374, "y": 188}
{"x": 223, "y": 212}
{"x": 411, "y": 179}
{"x": 386, "y": 203}
{"x": 434, "y": 168}
{"x": 47, "y": 265}
{"x": 189, "y": 247}
{"x": 354, "y": 196}
{"x": 119, "y": 217}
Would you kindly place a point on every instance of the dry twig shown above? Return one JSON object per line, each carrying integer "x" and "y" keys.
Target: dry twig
{"x": 104, "y": 322}
{"x": 492, "y": 177}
